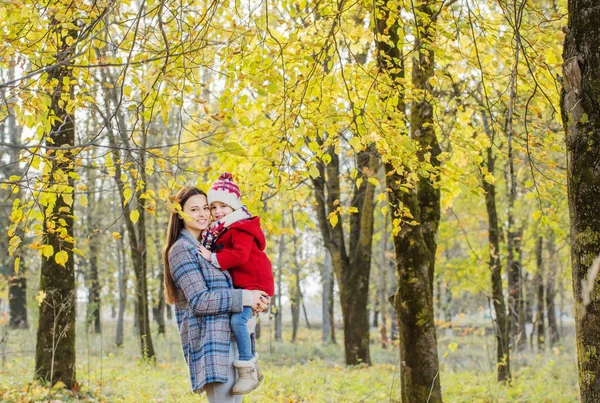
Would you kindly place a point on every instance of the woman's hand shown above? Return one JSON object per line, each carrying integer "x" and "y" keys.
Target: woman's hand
{"x": 205, "y": 253}
{"x": 261, "y": 301}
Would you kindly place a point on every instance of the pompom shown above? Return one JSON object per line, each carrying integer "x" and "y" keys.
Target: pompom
{"x": 226, "y": 176}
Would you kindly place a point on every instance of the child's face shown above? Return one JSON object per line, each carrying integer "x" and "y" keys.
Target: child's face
{"x": 219, "y": 210}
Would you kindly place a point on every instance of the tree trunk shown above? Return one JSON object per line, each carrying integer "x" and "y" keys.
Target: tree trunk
{"x": 414, "y": 245}
{"x": 553, "y": 333}
{"x": 581, "y": 118}
{"x": 136, "y": 232}
{"x": 121, "y": 264}
{"x": 501, "y": 324}
{"x": 55, "y": 348}
{"x": 327, "y": 300}
{"x": 352, "y": 270}
{"x": 383, "y": 269}
{"x": 278, "y": 311}
{"x": 295, "y": 287}
{"x": 17, "y": 291}
{"x": 539, "y": 284}
{"x": 17, "y": 298}
{"x": 93, "y": 313}
{"x": 93, "y": 306}
{"x": 158, "y": 308}
{"x": 523, "y": 289}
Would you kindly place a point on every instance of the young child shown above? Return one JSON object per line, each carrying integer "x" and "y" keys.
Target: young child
{"x": 235, "y": 242}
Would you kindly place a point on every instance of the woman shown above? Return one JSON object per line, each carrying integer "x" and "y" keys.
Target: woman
{"x": 204, "y": 299}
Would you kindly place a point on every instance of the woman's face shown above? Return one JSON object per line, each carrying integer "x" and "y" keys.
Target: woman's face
{"x": 196, "y": 207}
{"x": 219, "y": 210}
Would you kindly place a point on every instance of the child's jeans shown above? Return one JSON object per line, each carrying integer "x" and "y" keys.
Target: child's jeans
{"x": 239, "y": 326}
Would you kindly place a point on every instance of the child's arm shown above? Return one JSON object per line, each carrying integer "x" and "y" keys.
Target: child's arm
{"x": 238, "y": 254}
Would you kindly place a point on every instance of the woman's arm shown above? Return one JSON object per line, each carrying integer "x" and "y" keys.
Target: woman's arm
{"x": 188, "y": 277}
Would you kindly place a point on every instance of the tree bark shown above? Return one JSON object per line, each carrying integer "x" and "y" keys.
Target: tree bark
{"x": 17, "y": 291}
{"x": 136, "y": 232}
{"x": 158, "y": 308}
{"x": 121, "y": 264}
{"x": 328, "y": 331}
{"x": 295, "y": 287}
{"x": 539, "y": 285}
{"x": 278, "y": 311}
{"x": 581, "y": 119}
{"x": 383, "y": 269}
{"x": 55, "y": 347}
{"x": 501, "y": 324}
{"x": 553, "y": 333}
{"x": 93, "y": 307}
{"x": 415, "y": 245}
{"x": 352, "y": 269}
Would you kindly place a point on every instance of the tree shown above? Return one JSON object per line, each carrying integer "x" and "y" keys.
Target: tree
{"x": 553, "y": 333}
{"x": 351, "y": 266}
{"x": 414, "y": 242}
{"x": 581, "y": 120}
{"x": 55, "y": 348}
{"x": 539, "y": 285}
{"x": 501, "y": 325}
{"x": 10, "y": 134}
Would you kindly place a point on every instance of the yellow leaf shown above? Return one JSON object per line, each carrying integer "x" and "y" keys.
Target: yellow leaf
{"x": 373, "y": 181}
{"x": 452, "y": 347}
{"x": 77, "y": 251}
{"x": 59, "y": 385}
{"x": 68, "y": 198}
{"x": 61, "y": 257}
{"x": 116, "y": 235}
{"x": 48, "y": 250}
{"x": 40, "y": 297}
{"x": 134, "y": 216}
{"x": 314, "y": 172}
{"x": 537, "y": 214}
{"x": 149, "y": 166}
{"x": 333, "y": 218}
{"x": 489, "y": 178}
{"x": 83, "y": 200}
{"x": 16, "y": 265}
{"x": 127, "y": 193}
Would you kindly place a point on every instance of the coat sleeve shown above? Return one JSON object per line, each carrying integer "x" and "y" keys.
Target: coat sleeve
{"x": 188, "y": 277}
{"x": 239, "y": 253}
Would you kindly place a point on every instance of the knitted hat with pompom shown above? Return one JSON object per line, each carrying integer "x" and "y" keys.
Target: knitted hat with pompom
{"x": 225, "y": 190}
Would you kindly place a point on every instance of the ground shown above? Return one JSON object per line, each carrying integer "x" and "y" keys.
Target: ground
{"x": 307, "y": 371}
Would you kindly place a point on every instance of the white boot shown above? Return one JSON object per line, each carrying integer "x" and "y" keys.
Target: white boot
{"x": 259, "y": 374}
{"x": 247, "y": 379}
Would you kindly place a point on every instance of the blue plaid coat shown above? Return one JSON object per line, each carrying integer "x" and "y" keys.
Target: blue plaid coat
{"x": 205, "y": 301}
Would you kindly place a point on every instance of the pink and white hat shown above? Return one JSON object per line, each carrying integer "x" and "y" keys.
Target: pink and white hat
{"x": 225, "y": 190}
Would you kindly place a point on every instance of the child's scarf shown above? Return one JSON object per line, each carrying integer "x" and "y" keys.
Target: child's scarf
{"x": 210, "y": 236}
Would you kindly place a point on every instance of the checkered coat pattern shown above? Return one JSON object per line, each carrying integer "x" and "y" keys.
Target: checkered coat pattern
{"x": 205, "y": 300}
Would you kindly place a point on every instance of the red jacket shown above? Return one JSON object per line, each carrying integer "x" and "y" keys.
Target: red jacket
{"x": 240, "y": 249}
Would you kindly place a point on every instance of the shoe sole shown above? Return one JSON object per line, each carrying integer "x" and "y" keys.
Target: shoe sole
{"x": 251, "y": 390}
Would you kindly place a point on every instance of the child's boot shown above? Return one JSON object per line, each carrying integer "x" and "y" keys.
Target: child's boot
{"x": 247, "y": 379}
{"x": 259, "y": 374}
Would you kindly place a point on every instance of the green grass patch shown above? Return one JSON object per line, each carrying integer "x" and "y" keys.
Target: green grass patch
{"x": 306, "y": 371}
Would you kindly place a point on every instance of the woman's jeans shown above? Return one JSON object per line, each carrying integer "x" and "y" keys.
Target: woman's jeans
{"x": 239, "y": 326}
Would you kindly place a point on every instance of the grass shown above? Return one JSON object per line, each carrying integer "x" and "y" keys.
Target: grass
{"x": 306, "y": 371}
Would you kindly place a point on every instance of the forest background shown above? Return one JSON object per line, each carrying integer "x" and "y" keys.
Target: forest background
{"x": 407, "y": 160}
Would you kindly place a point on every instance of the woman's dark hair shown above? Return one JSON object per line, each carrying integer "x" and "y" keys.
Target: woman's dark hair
{"x": 173, "y": 231}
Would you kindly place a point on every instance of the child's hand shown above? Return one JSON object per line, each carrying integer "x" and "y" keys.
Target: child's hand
{"x": 205, "y": 253}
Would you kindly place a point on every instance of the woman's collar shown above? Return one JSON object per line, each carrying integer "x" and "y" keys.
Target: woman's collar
{"x": 189, "y": 236}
